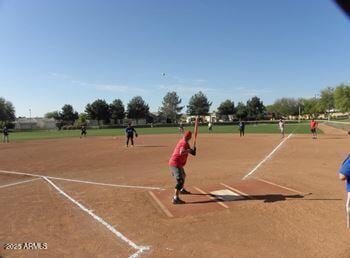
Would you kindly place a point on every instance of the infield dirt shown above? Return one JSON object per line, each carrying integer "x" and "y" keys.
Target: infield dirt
{"x": 312, "y": 225}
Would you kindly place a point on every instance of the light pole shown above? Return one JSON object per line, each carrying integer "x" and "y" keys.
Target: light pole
{"x": 30, "y": 118}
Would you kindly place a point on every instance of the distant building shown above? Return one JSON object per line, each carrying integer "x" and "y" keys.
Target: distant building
{"x": 211, "y": 117}
{"x": 35, "y": 123}
{"x": 158, "y": 118}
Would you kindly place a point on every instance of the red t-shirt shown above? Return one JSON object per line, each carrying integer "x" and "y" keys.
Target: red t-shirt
{"x": 177, "y": 160}
{"x": 313, "y": 124}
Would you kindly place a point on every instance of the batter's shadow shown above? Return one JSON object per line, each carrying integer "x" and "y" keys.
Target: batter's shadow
{"x": 151, "y": 146}
{"x": 266, "y": 198}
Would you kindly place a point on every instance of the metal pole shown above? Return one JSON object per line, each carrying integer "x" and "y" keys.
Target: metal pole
{"x": 30, "y": 118}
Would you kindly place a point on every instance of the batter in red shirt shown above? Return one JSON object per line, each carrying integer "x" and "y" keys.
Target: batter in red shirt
{"x": 313, "y": 128}
{"x": 177, "y": 162}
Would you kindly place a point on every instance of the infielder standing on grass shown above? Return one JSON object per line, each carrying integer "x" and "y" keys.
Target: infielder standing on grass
{"x": 210, "y": 127}
{"x": 129, "y": 133}
{"x": 83, "y": 131}
{"x": 5, "y": 131}
{"x": 281, "y": 127}
{"x": 181, "y": 127}
{"x": 177, "y": 162}
{"x": 313, "y": 128}
{"x": 241, "y": 127}
{"x": 344, "y": 174}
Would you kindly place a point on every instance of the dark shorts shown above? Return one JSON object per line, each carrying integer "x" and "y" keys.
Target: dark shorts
{"x": 178, "y": 173}
{"x": 313, "y": 130}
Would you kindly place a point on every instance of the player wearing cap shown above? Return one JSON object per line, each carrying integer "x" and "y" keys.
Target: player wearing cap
{"x": 129, "y": 133}
{"x": 177, "y": 162}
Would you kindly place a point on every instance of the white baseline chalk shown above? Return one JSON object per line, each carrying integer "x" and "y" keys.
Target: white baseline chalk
{"x": 81, "y": 181}
{"x": 139, "y": 249}
{"x": 17, "y": 183}
{"x": 266, "y": 158}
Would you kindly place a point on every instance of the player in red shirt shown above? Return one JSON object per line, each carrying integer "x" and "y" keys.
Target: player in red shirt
{"x": 177, "y": 162}
{"x": 313, "y": 128}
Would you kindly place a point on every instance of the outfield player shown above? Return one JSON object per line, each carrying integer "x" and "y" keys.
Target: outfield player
{"x": 129, "y": 133}
{"x": 5, "y": 132}
{"x": 210, "y": 127}
{"x": 344, "y": 174}
{"x": 241, "y": 127}
{"x": 313, "y": 128}
{"x": 281, "y": 127}
{"x": 83, "y": 131}
{"x": 181, "y": 128}
{"x": 177, "y": 162}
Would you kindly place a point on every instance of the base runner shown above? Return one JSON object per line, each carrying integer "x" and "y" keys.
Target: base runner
{"x": 313, "y": 128}
{"x": 177, "y": 162}
{"x": 344, "y": 174}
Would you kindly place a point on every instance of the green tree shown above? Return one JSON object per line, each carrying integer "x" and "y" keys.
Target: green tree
{"x": 117, "y": 110}
{"x": 171, "y": 108}
{"x": 342, "y": 98}
{"x": 98, "y": 110}
{"x": 198, "y": 105}
{"x": 241, "y": 111}
{"x": 311, "y": 107}
{"x": 226, "y": 108}
{"x": 68, "y": 115}
{"x": 285, "y": 107}
{"x": 326, "y": 102}
{"x": 82, "y": 120}
{"x": 7, "y": 111}
{"x": 137, "y": 108}
{"x": 255, "y": 108}
{"x": 54, "y": 114}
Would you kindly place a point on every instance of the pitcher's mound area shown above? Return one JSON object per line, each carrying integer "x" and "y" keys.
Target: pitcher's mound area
{"x": 221, "y": 196}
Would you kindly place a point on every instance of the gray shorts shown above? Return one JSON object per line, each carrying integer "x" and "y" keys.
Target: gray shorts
{"x": 178, "y": 173}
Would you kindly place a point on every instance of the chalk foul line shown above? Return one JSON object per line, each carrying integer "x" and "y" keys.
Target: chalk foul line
{"x": 140, "y": 249}
{"x": 82, "y": 181}
{"x": 266, "y": 158}
{"x": 17, "y": 183}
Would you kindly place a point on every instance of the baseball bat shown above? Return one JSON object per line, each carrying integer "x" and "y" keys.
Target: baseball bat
{"x": 195, "y": 131}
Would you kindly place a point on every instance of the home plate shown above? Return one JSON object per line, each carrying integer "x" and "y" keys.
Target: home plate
{"x": 226, "y": 195}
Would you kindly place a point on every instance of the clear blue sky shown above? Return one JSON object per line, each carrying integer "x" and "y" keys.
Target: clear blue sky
{"x": 72, "y": 52}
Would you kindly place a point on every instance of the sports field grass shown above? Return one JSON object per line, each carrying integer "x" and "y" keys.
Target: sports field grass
{"x": 259, "y": 128}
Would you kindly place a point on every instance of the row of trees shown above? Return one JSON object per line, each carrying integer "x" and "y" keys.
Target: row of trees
{"x": 329, "y": 100}
{"x": 171, "y": 109}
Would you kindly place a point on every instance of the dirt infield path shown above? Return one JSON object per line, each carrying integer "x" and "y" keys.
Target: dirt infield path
{"x": 35, "y": 213}
{"x": 331, "y": 130}
{"x": 269, "y": 225}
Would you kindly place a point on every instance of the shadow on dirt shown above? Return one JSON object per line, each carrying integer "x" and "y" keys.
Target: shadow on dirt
{"x": 151, "y": 146}
{"x": 267, "y": 198}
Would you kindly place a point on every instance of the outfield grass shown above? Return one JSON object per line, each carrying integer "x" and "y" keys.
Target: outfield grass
{"x": 259, "y": 128}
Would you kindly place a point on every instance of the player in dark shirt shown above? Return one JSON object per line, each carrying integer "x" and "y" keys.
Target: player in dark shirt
{"x": 83, "y": 131}
{"x": 5, "y": 131}
{"x": 129, "y": 133}
{"x": 241, "y": 126}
